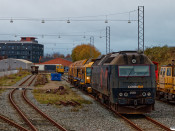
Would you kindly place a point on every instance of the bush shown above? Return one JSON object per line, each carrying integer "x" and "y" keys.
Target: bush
{"x": 163, "y": 55}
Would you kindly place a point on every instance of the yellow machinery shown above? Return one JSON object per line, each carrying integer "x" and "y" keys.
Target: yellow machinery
{"x": 166, "y": 88}
{"x": 80, "y": 74}
{"x": 87, "y": 76}
{"x": 75, "y": 71}
{"x": 60, "y": 69}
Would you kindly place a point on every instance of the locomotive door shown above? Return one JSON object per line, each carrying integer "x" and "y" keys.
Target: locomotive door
{"x": 169, "y": 78}
{"x": 104, "y": 80}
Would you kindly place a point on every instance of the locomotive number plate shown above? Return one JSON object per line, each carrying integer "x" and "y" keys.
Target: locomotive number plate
{"x": 132, "y": 93}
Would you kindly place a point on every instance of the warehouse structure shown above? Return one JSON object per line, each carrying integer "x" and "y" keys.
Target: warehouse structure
{"x": 14, "y": 64}
{"x": 27, "y": 48}
{"x": 51, "y": 64}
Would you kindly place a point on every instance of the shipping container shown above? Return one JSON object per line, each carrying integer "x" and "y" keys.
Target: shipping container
{"x": 56, "y": 76}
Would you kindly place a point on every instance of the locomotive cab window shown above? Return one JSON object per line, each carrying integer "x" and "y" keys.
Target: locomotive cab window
{"x": 130, "y": 71}
{"x": 163, "y": 71}
{"x": 88, "y": 71}
{"x": 168, "y": 73}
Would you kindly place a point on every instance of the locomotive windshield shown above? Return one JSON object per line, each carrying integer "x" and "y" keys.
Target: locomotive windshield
{"x": 128, "y": 71}
{"x": 88, "y": 71}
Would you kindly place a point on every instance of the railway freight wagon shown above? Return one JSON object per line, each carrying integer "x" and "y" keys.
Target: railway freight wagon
{"x": 125, "y": 81}
{"x": 34, "y": 69}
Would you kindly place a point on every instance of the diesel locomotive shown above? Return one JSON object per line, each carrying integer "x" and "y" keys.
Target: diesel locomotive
{"x": 123, "y": 80}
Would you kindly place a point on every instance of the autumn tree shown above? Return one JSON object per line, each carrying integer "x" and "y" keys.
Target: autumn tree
{"x": 68, "y": 56}
{"x": 84, "y": 51}
{"x": 162, "y": 55}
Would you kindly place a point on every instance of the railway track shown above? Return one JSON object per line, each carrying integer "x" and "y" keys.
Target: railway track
{"x": 144, "y": 123}
{"x": 34, "y": 118}
{"x": 11, "y": 124}
{"x": 136, "y": 122}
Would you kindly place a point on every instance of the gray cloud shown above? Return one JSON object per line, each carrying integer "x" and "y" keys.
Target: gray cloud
{"x": 159, "y": 22}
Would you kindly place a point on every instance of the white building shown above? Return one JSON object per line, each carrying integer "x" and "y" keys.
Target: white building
{"x": 13, "y": 64}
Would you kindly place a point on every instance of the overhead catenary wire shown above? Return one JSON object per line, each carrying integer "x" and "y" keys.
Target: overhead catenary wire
{"x": 68, "y": 19}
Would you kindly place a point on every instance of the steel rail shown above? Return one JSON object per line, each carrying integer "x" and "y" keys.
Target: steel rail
{"x": 20, "y": 112}
{"x": 157, "y": 123}
{"x": 32, "y": 80}
{"x": 43, "y": 114}
{"x": 116, "y": 113}
{"x": 13, "y": 123}
{"x": 25, "y": 80}
{"x": 126, "y": 119}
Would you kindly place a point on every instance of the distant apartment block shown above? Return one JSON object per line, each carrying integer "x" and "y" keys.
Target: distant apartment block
{"x": 27, "y": 48}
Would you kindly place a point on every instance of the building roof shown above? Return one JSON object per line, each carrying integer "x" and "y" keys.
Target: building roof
{"x": 13, "y": 59}
{"x": 57, "y": 61}
{"x": 25, "y": 61}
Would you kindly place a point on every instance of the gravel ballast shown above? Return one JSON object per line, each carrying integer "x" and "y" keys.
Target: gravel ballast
{"x": 91, "y": 117}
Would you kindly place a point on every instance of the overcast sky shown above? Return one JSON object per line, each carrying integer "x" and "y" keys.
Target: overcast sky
{"x": 159, "y": 23}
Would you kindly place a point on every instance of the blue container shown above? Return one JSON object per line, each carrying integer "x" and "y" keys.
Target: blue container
{"x": 55, "y": 76}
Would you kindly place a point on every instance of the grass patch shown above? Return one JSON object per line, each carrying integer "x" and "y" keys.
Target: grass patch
{"x": 55, "y": 98}
{"x": 2, "y": 90}
{"x": 13, "y": 78}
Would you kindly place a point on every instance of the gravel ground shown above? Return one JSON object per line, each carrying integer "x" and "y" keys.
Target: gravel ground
{"x": 8, "y": 111}
{"x": 92, "y": 117}
{"x": 164, "y": 113}
{"x": 144, "y": 123}
{"x": 36, "y": 119}
{"x": 19, "y": 82}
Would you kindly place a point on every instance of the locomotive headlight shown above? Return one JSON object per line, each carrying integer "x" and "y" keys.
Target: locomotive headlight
{"x": 88, "y": 77}
{"x": 125, "y": 94}
{"x": 143, "y": 93}
{"x": 120, "y": 94}
{"x": 149, "y": 94}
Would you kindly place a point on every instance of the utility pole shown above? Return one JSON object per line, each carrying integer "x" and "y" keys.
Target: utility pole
{"x": 107, "y": 39}
{"x": 141, "y": 29}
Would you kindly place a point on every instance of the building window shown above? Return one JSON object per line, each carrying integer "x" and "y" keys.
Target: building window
{"x": 13, "y": 47}
{"x": 3, "y": 52}
{"x": 18, "y": 47}
{"x": 18, "y": 52}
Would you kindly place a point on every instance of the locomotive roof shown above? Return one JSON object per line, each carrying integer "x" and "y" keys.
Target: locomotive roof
{"x": 169, "y": 65}
{"x": 123, "y": 58}
{"x": 79, "y": 63}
